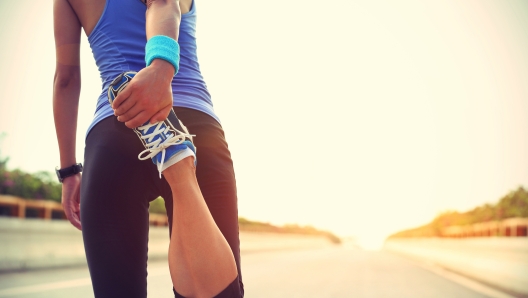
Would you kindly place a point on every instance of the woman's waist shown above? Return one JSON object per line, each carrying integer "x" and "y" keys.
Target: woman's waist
{"x": 186, "y": 100}
{"x": 180, "y": 95}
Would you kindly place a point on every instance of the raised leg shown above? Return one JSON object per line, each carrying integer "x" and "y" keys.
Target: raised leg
{"x": 200, "y": 260}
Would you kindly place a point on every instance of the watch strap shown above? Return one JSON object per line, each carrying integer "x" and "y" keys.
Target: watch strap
{"x": 69, "y": 171}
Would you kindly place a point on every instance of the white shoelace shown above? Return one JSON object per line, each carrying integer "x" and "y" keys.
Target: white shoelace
{"x": 154, "y": 147}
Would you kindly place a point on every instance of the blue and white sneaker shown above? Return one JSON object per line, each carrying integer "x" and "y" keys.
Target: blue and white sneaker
{"x": 166, "y": 142}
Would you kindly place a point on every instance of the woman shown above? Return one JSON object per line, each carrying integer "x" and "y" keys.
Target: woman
{"x": 110, "y": 202}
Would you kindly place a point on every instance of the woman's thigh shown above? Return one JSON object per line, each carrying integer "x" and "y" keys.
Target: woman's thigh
{"x": 115, "y": 191}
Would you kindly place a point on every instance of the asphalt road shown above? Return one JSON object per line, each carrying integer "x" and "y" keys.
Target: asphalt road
{"x": 323, "y": 272}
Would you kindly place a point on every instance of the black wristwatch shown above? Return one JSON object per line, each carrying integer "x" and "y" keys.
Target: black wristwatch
{"x": 69, "y": 171}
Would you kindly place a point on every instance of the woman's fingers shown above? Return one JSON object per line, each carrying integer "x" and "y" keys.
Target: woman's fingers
{"x": 137, "y": 120}
{"x": 124, "y": 107}
{"x": 73, "y": 215}
{"x": 161, "y": 115}
{"x": 71, "y": 191}
{"x": 131, "y": 114}
{"x": 122, "y": 97}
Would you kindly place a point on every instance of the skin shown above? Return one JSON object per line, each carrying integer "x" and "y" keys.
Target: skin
{"x": 200, "y": 260}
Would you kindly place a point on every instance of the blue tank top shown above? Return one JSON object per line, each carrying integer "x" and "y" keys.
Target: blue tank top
{"x": 118, "y": 44}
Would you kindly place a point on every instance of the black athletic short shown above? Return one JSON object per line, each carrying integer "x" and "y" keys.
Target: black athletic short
{"x": 116, "y": 190}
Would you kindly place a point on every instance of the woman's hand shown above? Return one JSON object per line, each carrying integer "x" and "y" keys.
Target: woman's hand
{"x": 148, "y": 96}
{"x": 71, "y": 191}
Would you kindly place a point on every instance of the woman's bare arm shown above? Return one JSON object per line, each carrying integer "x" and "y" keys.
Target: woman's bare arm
{"x": 163, "y": 18}
{"x": 66, "y": 91}
{"x": 149, "y": 94}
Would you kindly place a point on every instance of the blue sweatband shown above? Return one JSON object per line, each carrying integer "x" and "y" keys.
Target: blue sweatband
{"x": 163, "y": 47}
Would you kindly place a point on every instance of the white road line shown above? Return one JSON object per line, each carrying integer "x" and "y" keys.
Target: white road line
{"x": 81, "y": 282}
{"x": 45, "y": 287}
{"x": 462, "y": 280}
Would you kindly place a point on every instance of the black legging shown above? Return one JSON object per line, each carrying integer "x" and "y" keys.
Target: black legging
{"x": 116, "y": 190}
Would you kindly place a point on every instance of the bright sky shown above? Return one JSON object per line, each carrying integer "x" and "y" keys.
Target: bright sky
{"x": 360, "y": 117}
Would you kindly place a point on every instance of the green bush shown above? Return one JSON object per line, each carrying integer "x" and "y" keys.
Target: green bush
{"x": 157, "y": 206}
{"x": 41, "y": 185}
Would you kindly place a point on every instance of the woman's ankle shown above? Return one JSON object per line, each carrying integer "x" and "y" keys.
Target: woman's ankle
{"x": 181, "y": 172}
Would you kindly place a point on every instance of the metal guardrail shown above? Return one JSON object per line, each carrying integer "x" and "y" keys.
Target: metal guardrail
{"x": 45, "y": 209}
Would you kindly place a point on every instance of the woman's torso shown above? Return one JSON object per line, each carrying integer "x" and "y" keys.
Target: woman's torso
{"x": 89, "y": 11}
{"x": 116, "y": 33}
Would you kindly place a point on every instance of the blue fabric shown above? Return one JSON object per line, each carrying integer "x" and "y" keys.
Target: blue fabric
{"x": 170, "y": 151}
{"x": 163, "y": 47}
{"x": 118, "y": 44}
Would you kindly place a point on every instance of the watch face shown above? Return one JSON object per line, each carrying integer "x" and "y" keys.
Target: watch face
{"x": 58, "y": 174}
